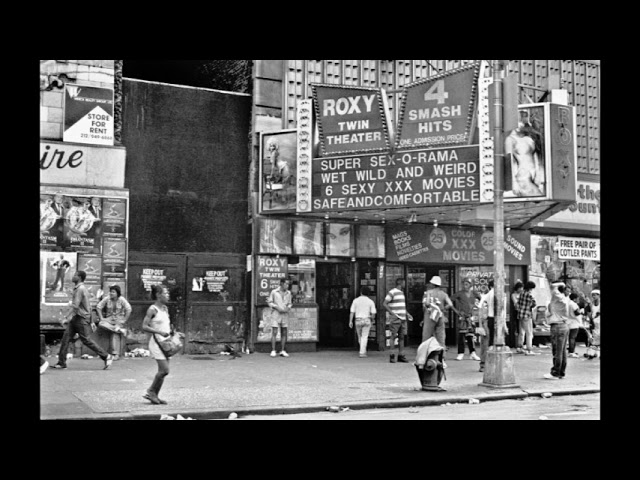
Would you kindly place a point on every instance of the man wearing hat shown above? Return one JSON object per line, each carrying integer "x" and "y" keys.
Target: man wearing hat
{"x": 558, "y": 320}
{"x": 434, "y": 302}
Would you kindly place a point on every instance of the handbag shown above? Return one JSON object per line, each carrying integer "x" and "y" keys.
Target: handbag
{"x": 171, "y": 344}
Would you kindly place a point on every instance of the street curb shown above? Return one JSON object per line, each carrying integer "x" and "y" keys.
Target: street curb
{"x": 219, "y": 414}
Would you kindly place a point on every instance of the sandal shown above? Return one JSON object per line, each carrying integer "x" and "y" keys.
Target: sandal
{"x": 152, "y": 398}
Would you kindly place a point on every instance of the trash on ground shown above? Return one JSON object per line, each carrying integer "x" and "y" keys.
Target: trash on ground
{"x": 233, "y": 415}
{"x": 546, "y": 395}
{"x": 345, "y": 409}
{"x": 333, "y": 409}
{"x": 474, "y": 401}
{"x": 86, "y": 356}
{"x": 138, "y": 352}
{"x": 543, "y": 417}
{"x": 166, "y": 417}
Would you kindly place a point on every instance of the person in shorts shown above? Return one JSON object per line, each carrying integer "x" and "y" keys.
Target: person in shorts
{"x": 396, "y": 306}
{"x": 280, "y": 302}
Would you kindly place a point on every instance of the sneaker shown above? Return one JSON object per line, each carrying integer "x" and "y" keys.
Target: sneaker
{"x": 284, "y": 354}
{"x": 519, "y": 350}
{"x": 59, "y": 366}
{"x": 474, "y": 356}
{"x": 44, "y": 367}
{"x": 392, "y": 358}
{"x": 548, "y": 376}
{"x": 402, "y": 359}
{"x": 273, "y": 353}
{"x": 108, "y": 361}
{"x": 363, "y": 355}
{"x": 460, "y": 356}
{"x": 530, "y": 352}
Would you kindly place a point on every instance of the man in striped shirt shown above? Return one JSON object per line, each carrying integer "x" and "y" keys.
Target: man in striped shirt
{"x": 397, "y": 316}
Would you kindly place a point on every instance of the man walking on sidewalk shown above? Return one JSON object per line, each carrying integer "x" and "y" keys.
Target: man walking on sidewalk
{"x": 395, "y": 304}
{"x": 559, "y": 310}
{"x": 280, "y": 302}
{"x": 364, "y": 310}
{"x": 80, "y": 323}
{"x": 487, "y": 328}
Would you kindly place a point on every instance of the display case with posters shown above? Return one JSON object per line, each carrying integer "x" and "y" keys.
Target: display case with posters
{"x": 339, "y": 240}
{"x": 303, "y": 281}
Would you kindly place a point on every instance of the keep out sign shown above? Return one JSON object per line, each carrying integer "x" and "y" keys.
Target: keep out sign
{"x": 572, "y": 248}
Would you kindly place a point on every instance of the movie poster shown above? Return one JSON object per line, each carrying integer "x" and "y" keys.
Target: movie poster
{"x": 53, "y": 209}
{"x": 114, "y": 218}
{"x": 113, "y": 257}
{"x": 307, "y": 238}
{"x": 83, "y": 224}
{"x": 278, "y": 163}
{"x": 91, "y": 264}
{"x": 57, "y": 269}
{"x": 275, "y": 236}
{"x": 339, "y": 237}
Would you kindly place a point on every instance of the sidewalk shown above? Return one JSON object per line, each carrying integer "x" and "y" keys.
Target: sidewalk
{"x": 213, "y": 386}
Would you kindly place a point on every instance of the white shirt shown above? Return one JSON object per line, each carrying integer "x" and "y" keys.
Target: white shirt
{"x": 363, "y": 307}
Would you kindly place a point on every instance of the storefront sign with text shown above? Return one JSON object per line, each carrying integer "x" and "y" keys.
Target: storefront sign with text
{"x": 458, "y": 245}
{"x": 270, "y": 270}
{"x": 415, "y": 178}
{"x": 574, "y": 248}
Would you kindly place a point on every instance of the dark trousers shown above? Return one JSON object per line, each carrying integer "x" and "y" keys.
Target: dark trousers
{"x": 559, "y": 336}
{"x": 82, "y": 327}
{"x": 461, "y": 340}
{"x": 573, "y": 334}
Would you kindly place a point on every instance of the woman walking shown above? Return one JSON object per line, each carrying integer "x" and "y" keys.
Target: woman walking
{"x": 156, "y": 322}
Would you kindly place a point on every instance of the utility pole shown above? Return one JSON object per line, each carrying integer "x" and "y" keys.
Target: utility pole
{"x": 499, "y": 369}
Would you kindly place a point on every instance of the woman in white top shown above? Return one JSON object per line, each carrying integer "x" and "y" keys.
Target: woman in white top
{"x": 156, "y": 322}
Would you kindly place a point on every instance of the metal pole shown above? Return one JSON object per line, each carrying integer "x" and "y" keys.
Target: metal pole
{"x": 498, "y": 202}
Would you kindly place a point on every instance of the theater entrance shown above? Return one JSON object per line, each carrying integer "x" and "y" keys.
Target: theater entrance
{"x": 334, "y": 296}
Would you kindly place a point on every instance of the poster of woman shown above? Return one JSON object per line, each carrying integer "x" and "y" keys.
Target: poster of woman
{"x": 307, "y": 238}
{"x": 524, "y": 149}
{"x": 278, "y": 163}
{"x": 340, "y": 239}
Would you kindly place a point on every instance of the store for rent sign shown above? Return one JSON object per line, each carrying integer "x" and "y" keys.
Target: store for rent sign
{"x": 573, "y": 248}
{"x": 442, "y": 176}
{"x": 88, "y": 115}
{"x": 351, "y": 119}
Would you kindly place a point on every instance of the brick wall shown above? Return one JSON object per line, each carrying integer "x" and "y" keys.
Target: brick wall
{"x": 97, "y": 73}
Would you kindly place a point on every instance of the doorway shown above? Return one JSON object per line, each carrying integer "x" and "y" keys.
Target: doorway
{"x": 334, "y": 297}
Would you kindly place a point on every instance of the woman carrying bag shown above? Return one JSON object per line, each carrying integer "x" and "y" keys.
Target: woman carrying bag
{"x": 158, "y": 327}
{"x": 113, "y": 311}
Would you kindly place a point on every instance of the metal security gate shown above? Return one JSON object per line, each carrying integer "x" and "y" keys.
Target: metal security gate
{"x": 207, "y": 297}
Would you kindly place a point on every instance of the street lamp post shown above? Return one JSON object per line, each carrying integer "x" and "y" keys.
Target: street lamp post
{"x": 499, "y": 369}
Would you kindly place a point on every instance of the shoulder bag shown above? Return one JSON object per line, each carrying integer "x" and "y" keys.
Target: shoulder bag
{"x": 171, "y": 344}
